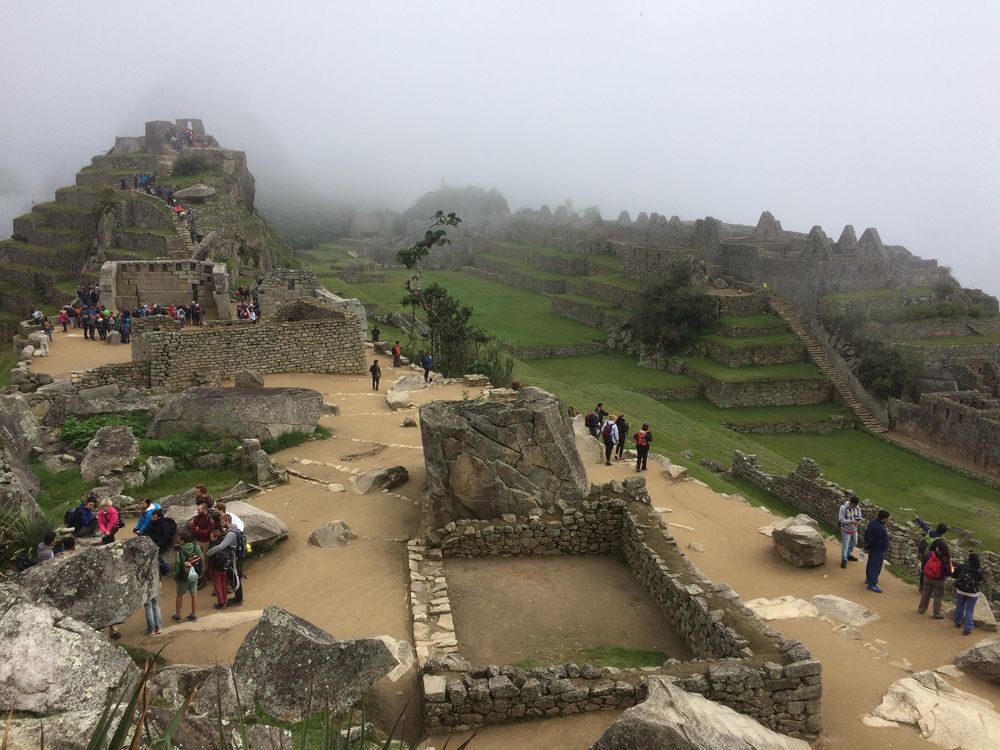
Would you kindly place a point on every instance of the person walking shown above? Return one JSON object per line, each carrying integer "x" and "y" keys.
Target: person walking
{"x": 427, "y": 363}
{"x": 376, "y": 372}
{"x": 609, "y": 433}
{"x": 642, "y": 440}
{"x": 936, "y": 570}
{"x": 397, "y": 353}
{"x": 848, "y": 517}
{"x": 968, "y": 580}
{"x": 622, "y": 426}
{"x": 876, "y": 545}
{"x": 376, "y": 335}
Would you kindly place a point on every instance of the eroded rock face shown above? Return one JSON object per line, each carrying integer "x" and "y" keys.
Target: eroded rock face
{"x": 50, "y": 661}
{"x": 333, "y": 534}
{"x": 283, "y": 654}
{"x": 259, "y": 413}
{"x": 673, "y": 719}
{"x": 248, "y": 379}
{"x": 982, "y": 659}
{"x": 800, "y": 545}
{"x": 488, "y": 458}
{"x": 111, "y": 449}
{"x": 385, "y": 478}
{"x": 18, "y": 432}
{"x": 213, "y": 687}
{"x": 99, "y": 586}
{"x": 843, "y": 610}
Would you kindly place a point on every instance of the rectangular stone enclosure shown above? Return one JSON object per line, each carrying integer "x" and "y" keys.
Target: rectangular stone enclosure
{"x": 128, "y": 284}
{"x": 740, "y": 661}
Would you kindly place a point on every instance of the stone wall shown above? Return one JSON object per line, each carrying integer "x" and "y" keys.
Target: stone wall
{"x": 569, "y": 350}
{"x": 965, "y": 424}
{"x": 784, "y": 428}
{"x": 591, "y": 315}
{"x": 744, "y": 663}
{"x": 496, "y": 271}
{"x": 807, "y": 490}
{"x": 127, "y": 284}
{"x": 281, "y": 285}
{"x": 744, "y": 356}
{"x": 144, "y": 324}
{"x": 325, "y": 346}
{"x": 762, "y": 393}
{"x": 630, "y": 299}
{"x": 122, "y": 374}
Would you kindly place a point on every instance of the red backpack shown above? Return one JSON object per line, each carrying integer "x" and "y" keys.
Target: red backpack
{"x": 640, "y": 437}
{"x": 932, "y": 568}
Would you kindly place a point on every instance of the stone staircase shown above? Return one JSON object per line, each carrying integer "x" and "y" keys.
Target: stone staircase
{"x": 186, "y": 248}
{"x": 819, "y": 356}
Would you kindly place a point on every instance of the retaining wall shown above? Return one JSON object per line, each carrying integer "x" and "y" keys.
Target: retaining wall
{"x": 743, "y": 356}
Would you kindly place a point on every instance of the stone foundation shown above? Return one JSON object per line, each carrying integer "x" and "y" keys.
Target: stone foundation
{"x": 128, "y": 284}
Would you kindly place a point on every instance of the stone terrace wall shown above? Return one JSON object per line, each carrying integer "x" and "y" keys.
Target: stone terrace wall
{"x": 591, "y": 315}
{"x": 326, "y": 346}
{"x": 123, "y": 374}
{"x": 743, "y": 356}
{"x": 495, "y": 271}
{"x": 777, "y": 682}
{"x": 569, "y": 350}
{"x": 282, "y": 285}
{"x": 762, "y": 393}
{"x": 806, "y": 490}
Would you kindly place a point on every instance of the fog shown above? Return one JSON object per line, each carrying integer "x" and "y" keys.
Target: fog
{"x": 876, "y": 114}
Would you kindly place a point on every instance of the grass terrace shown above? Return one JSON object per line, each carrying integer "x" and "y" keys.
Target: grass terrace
{"x": 759, "y": 373}
{"x": 616, "y": 279}
{"x": 759, "y": 320}
{"x": 972, "y": 340}
{"x": 707, "y": 412}
{"x": 753, "y": 342}
{"x": 611, "y": 262}
{"x": 610, "y": 367}
{"x": 523, "y": 266}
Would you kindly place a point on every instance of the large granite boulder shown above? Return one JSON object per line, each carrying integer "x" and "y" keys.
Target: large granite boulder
{"x": 488, "y": 458}
{"x": 263, "y": 529}
{"x": 100, "y": 585}
{"x": 945, "y": 716}
{"x": 672, "y": 719}
{"x": 50, "y": 661}
{"x": 332, "y": 534}
{"x": 843, "y": 610}
{"x": 283, "y": 657}
{"x": 385, "y": 478}
{"x": 213, "y": 688}
{"x": 18, "y": 432}
{"x": 983, "y": 659}
{"x": 412, "y": 382}
{"x": 397, "y": 400}
{"x": 111, "y": 449}
{"x": 799, "y": 542}
{"x": 248, "y": 379}
{"x": 260, "y": 413}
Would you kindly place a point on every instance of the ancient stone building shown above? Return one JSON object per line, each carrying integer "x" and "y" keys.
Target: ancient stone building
{"x": 127, "y": 284}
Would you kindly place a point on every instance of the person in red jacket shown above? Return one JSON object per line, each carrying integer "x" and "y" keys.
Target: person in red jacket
{"x": 202, "y": 525}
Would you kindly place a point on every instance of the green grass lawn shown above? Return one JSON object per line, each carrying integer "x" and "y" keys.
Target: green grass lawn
{"x": 759, "y": 373}
{"x": 706, "y": 411}
{"x": 584, "y": 300}
{"x": 754, "y": 342}
{"x": 521, "y": 317}
{"x": 616, "y": 279}
{"x": 896, "y": 479}
{"x": 611, "y": 262}
{"x": 611, "y": 367}
{"x": 759, "y": 320}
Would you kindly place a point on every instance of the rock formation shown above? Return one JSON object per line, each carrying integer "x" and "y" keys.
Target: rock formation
{"x": 332, "y": 534}
{"x": 488, "y": 458}
{"x": 672, "y": 719}
{"x": 386, "y": 478}
{"x": 843, "y": 610}
{"x": 110, "y": 450}
{"x": 283, "y": 656}
{"x": 259, "y": 413}
{"x": 100, "y": 586}
{"x": 799, "y": 542}
{"x": 18, "y": 432}
{"x": 982, "y": 659}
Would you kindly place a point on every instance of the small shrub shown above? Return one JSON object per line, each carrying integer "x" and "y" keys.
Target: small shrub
{"x": 293, "y": 438}
{"x": 185, "y": 447}
{"x": 77, "y": 433}
{"x": 186, "y": 166}
{"x": 20, "y": 535}
{"x": 494, "y": 361}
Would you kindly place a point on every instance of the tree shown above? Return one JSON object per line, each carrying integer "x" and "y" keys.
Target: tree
{"x": 672, "y": 313}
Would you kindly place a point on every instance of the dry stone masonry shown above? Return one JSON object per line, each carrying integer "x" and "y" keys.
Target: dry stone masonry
{"x": 127, "y": 284}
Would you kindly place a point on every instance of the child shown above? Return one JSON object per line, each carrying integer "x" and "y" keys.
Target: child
{"x": 220, "y": 565}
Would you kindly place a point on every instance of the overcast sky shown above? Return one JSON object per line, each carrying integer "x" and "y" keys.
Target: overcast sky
{"x": 881, "y": 114}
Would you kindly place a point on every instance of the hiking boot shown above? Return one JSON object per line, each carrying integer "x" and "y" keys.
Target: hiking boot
{"x": 852, "y": 558}
{"x": 218, "y": 606}
{"x": 843, "y": 563}
{"x": 175, "y": 618}
{"x": 192, "y": 618}
{"x": 234, "y": 603}
{"x": 938, "y": 617}
{"x": 875, "y": 588}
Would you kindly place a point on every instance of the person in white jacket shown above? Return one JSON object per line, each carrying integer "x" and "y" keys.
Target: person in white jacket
{"x": 609, "y": 434}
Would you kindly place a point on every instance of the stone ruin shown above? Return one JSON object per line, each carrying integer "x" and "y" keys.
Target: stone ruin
{"x": 128, "y": 284}
{"x": 504, "y": 482}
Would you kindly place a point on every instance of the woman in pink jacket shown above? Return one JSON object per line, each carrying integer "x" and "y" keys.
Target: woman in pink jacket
{"x": 107, "y": 521}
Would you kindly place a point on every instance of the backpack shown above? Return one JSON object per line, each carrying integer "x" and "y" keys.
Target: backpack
{"x": 640, "y": 437}
{"x": 932, "y": 568}
{"x": 73, "y": 517}
{"x": 607, "y": 431}
{"x": 591, "y": 421}
{"x": 968, "y": 579}
{"x": 241, "y": 544}
{"x": 196, "y": 564}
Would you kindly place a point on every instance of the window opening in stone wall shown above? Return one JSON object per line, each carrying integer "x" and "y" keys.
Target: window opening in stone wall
{"x": 947, "y": 413}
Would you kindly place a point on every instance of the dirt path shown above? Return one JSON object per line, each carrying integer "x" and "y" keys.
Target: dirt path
{"x": 360, "y": 590}
{"x": 70, "y": 351}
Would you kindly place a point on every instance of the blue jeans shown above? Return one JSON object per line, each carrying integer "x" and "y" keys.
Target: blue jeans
{"x": 152, "y": 607}
{"x": 874, "y": 567}
{"x": 965, "y": 605}
{"x": 847, "y": 543}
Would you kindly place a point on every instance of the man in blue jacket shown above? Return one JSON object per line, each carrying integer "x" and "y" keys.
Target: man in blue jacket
{"x": 146, "y": 508}
{"x": 876, "y": 545}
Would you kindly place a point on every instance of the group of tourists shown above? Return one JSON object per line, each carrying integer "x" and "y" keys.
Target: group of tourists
{"x": 936, "y": 565}
{"x": 613, "y": 431}
{"x": 424, "y": 358}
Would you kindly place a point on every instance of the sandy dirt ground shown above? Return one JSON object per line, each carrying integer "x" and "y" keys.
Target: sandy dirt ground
{"x": 360, "y": 590}
{"x": 555, "y": 599}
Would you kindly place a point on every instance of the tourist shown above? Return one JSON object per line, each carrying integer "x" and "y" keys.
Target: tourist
{"x": 201, "y": 496}
{"x": 376, "y": 372}
{"x": 593, "y": 423}
{"x": 427, "y": 363}
{"x": 146, "y": 508}
{"x": 189, "y": 564}
{"x": 65, "y": 547}
{"x": 162, "y": 530}
{"x": 202, "y": 525}
{"x": 152, "y": 608}
{"x": 221, "y": 559}
{"x": 602, "y": 413}
{"x": 968, "y": 580}
{"x": 64, "y": 319}
{"x": 108, "y": 521}
{"x": 84, "y": 518}
{"x": 936, "y": 570}
{"x": 642, "y": 440}
{"x": 622, "y": 426}
{"x": 397, "y": 353}
{"x": 237, "y": 578}
{"x": 234, "y": 520}
{"x": 848, "y": 517}
{"x": 44, "y": 551}
{"x": 36, "y": 317}
{"x": 925, "y": 541}
{"x": 610, "y": 435}
{"x": 876, "y": 545}
{"x": 376, "y": 335}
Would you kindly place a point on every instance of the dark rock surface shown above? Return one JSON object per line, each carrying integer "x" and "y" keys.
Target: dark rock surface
{"x": 111, "y": 449}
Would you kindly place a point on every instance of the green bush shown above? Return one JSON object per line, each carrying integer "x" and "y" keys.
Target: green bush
{"x": 293, "y": 438}
{"x": 185, "y": 447}
{"x": 186, "y": 166}
{"x": 77, "y": 433}
{"x": 20, "y": 535}
{"x": 494, "y": 361}
{"x": 673, "y": 312}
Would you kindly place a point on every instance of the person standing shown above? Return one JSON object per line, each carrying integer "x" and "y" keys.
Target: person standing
{"x": 427, "y": 363}
{"x": 376, "y": 335}
{"x": 376, "y": 372}
{"x": 222, "y": 559}
{"x": 397, "y": 353}
{"x": 609, "y": 433}
{"x": 925, "y": 542}
{"x": 936, "y": 570}
{"x": 968, "y": 579}
{"x": 642, "y": 440}
{"x": 876, "y": 545}
{"x": 152, "y": 608}
{"x": 848, "y": 517}
{"x": 622, "y": 426}
{"x": 188, "y": 565}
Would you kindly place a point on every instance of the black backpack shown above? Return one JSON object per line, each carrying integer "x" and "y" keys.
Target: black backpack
{"x": 241, "y": 544}
{"x": 967, "y": 580}
{"x": 73, "y": 516}
{"x": 591, "y": 421}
